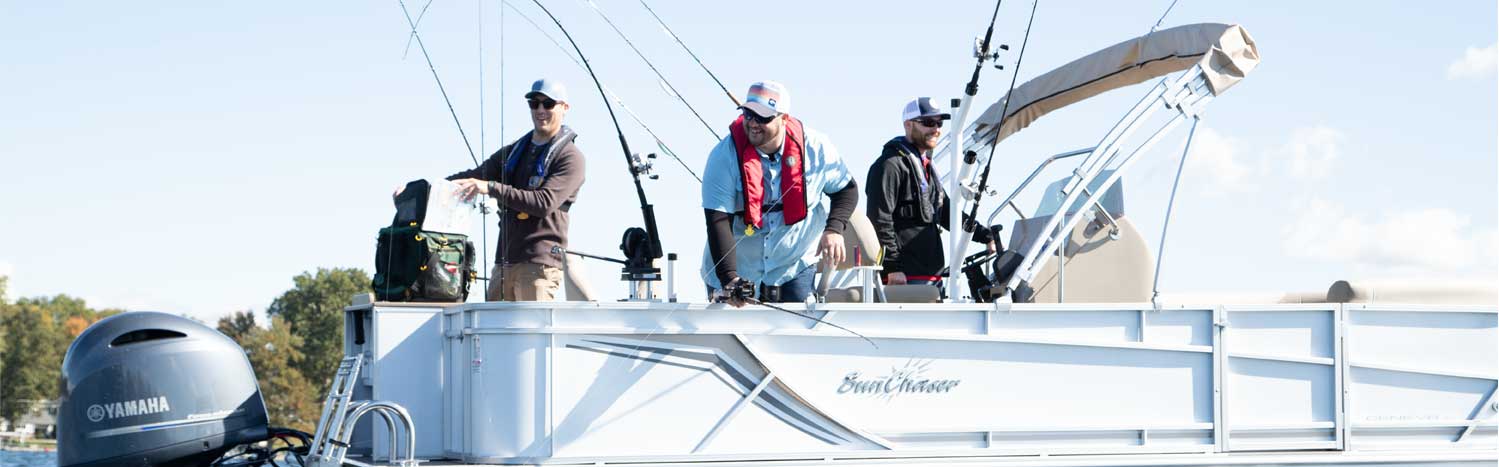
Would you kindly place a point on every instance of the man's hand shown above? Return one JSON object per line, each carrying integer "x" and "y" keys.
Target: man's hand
{"x": 468, "y": 188}
{"x": 398, "y": 191}
{"x": 896, "y": 278}
{"x": 831, "y": 248}
{"x": 991, "y": 247}
{"x": 737, "y": 291}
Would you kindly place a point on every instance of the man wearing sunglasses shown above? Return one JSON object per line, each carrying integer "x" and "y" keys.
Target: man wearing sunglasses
{"x": 535, "y": 180}
{"x": 906, "y": 201}
{"x": 776, "y": 197}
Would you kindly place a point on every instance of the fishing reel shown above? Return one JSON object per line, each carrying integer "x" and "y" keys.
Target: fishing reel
{"x": 982, "y": 55}
{"x": 644, "y": 166}
{"x": 736, "y": 290}
{"x": 639, "y": 256}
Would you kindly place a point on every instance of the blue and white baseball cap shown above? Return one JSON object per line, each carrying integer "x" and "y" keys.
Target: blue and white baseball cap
{"x": 922, "y": 107}
{"x": 767, "y": 99}
{"x": 549, "y": 88}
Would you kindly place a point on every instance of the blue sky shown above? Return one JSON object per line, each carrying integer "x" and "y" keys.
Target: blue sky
{"x": 192, "y": 157}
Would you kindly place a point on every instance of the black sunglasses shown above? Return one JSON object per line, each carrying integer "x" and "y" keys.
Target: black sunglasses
{"x": 546, "y": 103}
{"x": 929, "y": 122}
{"x": 748, "y": 115}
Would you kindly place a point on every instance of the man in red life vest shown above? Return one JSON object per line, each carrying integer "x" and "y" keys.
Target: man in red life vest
{"x": 776, "y": 197}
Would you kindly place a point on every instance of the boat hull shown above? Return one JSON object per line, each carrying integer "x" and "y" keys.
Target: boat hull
{"x": 1115, "y": 384}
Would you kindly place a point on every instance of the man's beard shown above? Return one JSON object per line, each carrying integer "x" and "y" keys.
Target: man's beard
{"x": 923, "y": 143}
{"x": 764, "y": 137}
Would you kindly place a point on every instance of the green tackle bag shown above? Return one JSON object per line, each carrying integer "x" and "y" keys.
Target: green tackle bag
{"x": 412, "y": 265}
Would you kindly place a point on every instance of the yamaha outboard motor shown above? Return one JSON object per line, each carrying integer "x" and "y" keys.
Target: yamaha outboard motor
{"x": 146, "y": 388}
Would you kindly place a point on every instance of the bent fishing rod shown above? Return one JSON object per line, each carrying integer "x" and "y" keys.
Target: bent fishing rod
{"x": 484, "y": 212}
{"x": 756, "y": 301}
{"x": 644, "y": 250}
{"x": 660, "y": 143}
{"x": 669, "y": 87}
{"x": 700, "y": 63}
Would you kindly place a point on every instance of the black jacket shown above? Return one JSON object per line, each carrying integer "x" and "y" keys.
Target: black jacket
{"x": 905, "y": 219}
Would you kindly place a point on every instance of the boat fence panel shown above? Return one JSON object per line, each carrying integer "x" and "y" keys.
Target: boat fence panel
{"x": 1421, "y": 377}
{"x": 630, "y": 382}
{"x": 1281, "y": 388}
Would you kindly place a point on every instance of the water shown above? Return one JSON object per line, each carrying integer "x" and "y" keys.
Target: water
{"x": 27, "y": 459}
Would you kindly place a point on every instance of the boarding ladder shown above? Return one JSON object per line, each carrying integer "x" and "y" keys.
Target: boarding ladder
{"x": 340, "y": 413}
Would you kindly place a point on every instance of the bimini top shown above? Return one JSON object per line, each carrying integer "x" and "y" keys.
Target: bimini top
{"x": 1226, "y": 53}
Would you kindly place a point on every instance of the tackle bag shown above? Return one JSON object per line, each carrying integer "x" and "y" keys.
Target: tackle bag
{"x": 412, "y": 265}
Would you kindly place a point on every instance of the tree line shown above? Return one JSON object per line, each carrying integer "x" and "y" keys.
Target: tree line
{"x": 294, "y": 355}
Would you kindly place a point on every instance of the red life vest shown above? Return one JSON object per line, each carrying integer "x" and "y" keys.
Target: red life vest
{"x": 793, "y": 184}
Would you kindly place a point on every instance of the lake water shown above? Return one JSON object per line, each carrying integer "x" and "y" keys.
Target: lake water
{"x": 27, "y": 459}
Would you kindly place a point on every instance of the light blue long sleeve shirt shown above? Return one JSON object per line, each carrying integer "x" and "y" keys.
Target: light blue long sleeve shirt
{"x": 776, "y": 252}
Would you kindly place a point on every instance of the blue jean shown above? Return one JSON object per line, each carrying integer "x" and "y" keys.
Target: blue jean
{"x": 800, "y": 287}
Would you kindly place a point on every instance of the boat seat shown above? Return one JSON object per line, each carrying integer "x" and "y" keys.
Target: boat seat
{"x": 860, "y": 236}
{"x": 1100, "y": 268}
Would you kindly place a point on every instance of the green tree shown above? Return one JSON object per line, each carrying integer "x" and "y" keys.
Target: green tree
{"x": 291, "y": 400}
{"x": 36, "y": 343}
{"x": 37, "y": 333}
{"x": 238, "y": 325}
{"x": 313, "y": 311}
{"x": 4, "y": 309}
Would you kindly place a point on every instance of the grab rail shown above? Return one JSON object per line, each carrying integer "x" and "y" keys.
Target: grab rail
{"x": 340, "y": 414}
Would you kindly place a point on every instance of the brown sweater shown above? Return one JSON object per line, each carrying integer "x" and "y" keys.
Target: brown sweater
{"x": 544, "y": 208}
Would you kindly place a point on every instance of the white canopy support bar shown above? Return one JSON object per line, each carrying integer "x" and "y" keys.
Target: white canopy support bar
{"x": 1220, "y": 55}
{"x": 1093, "y": 167}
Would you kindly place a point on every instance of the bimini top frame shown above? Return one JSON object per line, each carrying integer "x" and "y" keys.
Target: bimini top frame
{"x": 1215, "y": 57}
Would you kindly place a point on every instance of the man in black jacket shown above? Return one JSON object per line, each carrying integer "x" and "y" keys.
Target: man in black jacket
{"x": 906, "y": 201}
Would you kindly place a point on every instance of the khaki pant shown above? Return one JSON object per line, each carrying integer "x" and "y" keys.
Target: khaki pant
{"x": 523, "y": 282}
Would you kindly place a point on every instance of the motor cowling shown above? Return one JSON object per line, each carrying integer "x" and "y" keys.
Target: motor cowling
{"x": 147, "y": 388}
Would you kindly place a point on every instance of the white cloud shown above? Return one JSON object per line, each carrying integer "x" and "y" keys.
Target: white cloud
{"x": 1219, "y": 159}
{"x": 1312, "y": 151}
{"x": 1475, "y": 63}
{"x": 1431, "y": 240}
{"x": 1488, "y": 248}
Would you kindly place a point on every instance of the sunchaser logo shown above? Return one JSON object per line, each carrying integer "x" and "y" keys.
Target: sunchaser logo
{"x": 909, "y": 379}
{"x": 113, "y": 410}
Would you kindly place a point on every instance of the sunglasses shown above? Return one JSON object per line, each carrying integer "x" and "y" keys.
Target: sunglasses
{"x": 751, "y": 116}
{"x": 548, "y": 104}
{"x": 929, "y": 122}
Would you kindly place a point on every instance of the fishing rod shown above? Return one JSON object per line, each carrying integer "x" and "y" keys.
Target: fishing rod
{"x": 409, "y": 37}
{"x": 415, "y": 35}
{"x": 440, "y": 88}
{"x": 982, "y": 54}
{"x": 972, "y": 222}
{"x": 756, "y": 301}
{"x": 484, "y": 210}
{"x": 641, "y": 248}
{"x": 674, "y": 37}
{"x": 638, "y": 53}
{"x": 617, "y": 100}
